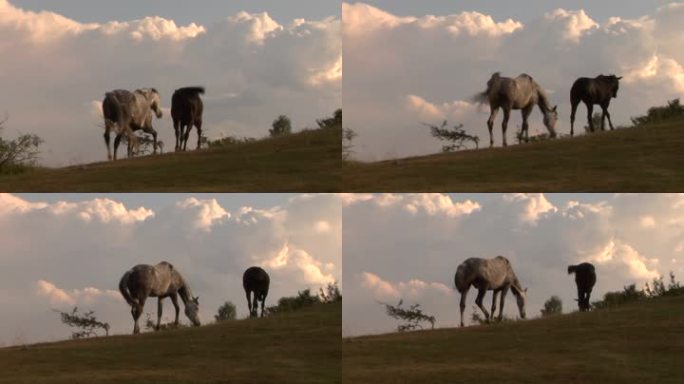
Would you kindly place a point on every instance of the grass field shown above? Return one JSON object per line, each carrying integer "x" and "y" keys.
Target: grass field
{"x": 299, "y": 347}
{"x": 641, "y": 342}
{"x": 308, "y": 161}
{"x": 645, "y": 159}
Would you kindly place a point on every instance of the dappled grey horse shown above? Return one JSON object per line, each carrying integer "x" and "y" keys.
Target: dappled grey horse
{"x": 585, "y": 278}
{"x": 598, "y": 90}
{"x": 186, "y": 111}
{"x": 126, "y": 112}
{"x": 489, "y": 275}
{"x": 161, "y": 281}
{"x": 255, "y": 281}
{"x": 521, "y": 93}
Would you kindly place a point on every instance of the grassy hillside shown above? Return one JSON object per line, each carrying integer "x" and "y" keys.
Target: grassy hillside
{"x": 309, "y": 161}
{"x": 636, "y": 159}
{"x": 641, "y": 342}
{"x": 300, "y": 347}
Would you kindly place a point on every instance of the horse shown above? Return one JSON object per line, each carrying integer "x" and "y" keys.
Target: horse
{"x": 598, "y": 90}
{"x": 489, "y": 275}
{"x": 255, "y": 280}
{"x": 585, "y": 278}
{"x": 186, "y": 111}
{"x": 126, "y": 112}
{"x": 161, "y": 281}
{"x": 520, "y": 93}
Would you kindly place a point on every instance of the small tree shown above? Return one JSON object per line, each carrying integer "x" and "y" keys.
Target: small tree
{"x": 225, "y": 312}
{"x": 289, "y": 304}
{"x": 281, "y": 126}
{"x": 348, "y": 136}
{"x": 411, "y": 316}
{"x": 331, "y": 122}
{"x": 87, "y": 323}
{"x": 331, "y": 293}
{"x": 552, "y": 306}
{"x": 457, "y": 136}
{"x": 21, "y": 151}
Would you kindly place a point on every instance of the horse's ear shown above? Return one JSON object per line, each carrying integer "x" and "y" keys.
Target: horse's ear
{"x": 196, "y": 299}
{"x": 555, "y": 108}
{"x": 620, "y": 77}
{"x": 525, "y": 289}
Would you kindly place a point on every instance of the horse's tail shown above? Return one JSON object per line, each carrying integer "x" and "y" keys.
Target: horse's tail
{"x": 124, "y": 289}
{"x": 572, "y": 269}
{"x": 483, "y": 97}
{"x": 113, "y": 113}
{"x": 460, "y": 277}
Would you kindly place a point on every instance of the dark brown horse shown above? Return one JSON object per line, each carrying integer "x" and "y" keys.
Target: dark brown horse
{"x": 186, "y": 112}
{"x": 585, "y": 278}
{"x": 256, "y": 281}
{"x": 598, "y": 90}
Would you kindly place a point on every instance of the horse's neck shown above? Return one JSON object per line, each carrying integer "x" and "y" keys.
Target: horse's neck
{"x": 185, "y": 292}
{"x": 542, "y": 100}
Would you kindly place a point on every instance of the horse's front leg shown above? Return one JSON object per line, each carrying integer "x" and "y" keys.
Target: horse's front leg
{"x": 106, "y": 139}
{"x": 462, "y": 304}
{"x": 607, "y": 114}
{"x": 198, "y": 124}
{"x": 159, "y": 312}
{"x": 504, "y": 292}
{"x": 504, "y": 124}
{"x": 494, "y": 295}
{"x": 590, "y": 113}
{"x": 490, "y": 125}
{"x": 136, "y": 311}
{"x": 480, "y": 296}
{"x": 117, "y": 141}
{"x": 249, "y": 303}
{"x": 174, "y": 300}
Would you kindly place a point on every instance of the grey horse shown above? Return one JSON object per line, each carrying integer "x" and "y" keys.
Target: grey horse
{"x": 598, "y": 90}
{"x": 256, "y": 281}
{"x": 520, "y": 93}
{"x": 489, "y": 274}
{"x": 186, "y": 111}
{"x": 585, "y": 278}
{"x": 126, "y": 112}
{"x": 161, "y": 281}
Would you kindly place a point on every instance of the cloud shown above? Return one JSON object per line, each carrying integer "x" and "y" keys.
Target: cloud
{"x": 253, "y": 67}
{"x": 534, "y": 206}
{"x": 426, "y": 203}
{"x": 405, "y": 71}
{"x": 60, "y": 298}
{"x": 206, "y": 212}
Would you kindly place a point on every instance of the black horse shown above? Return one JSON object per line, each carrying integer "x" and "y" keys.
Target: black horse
{"x": 585, "y": 278}
{"x": 186, "y": 111}
{"x": 598, "y": 90}
{"x": 256, "y": 281}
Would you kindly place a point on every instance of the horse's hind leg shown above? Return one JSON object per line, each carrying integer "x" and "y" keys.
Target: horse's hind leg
{"x": 574, "y": 103}
{"x": 106, "y": 139}
{"x": 462, "y": 305}
{"x": 490, "y": 125}
{"x": 177, "y": 129}
{"x": 249, "y": 303}
{"x": 255, "y": 304}
{"x": 480, "y": 296}
{"x": 117, "y": 140}
{"x": 263, "y": 300}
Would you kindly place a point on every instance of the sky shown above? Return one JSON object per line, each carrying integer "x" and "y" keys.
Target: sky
{"x": 71, "y": 250}
{"x": 410, "y": 63}
{"x": 408, "y": 246}
{"x": 257, "y": 60}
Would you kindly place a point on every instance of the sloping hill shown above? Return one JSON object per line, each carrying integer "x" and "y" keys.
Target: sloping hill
{"x": 300, "y": 347}
{"x": 641, "y": 159}
{"x": 641, "y": 342}
{"x": 308, "y": 161}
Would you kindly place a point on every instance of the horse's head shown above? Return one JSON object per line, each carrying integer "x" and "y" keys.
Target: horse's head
{"x": 614, "y": 85}
{"x": 550, "y": 119}
{"x": 521, "y": 298}
{"x": 155, "y": 102}
{"x": 191, "y": 311}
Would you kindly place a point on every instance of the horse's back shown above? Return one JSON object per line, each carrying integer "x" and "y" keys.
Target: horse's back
{"x": 255, "y": 278}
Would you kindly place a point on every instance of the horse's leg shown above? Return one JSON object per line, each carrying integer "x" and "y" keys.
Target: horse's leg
{"x": 159, "y": 312}
{"x": 480, "y": 296}
{"x": 263, "y": 299}
{"x": 249, "y": 303}
{"x": 525, "y": 112}
{"x": 176, "y": 128}
{"x": 495, "y": 293}
{"x": 504, "y": 124}
{"x": 198, "y": 124}
{"x": 590, "y": 113}
{"x": 462, "y": 305}
{"x": 490, "y": 125}
{"x": 174, "y": 300}
{"x": 117, "y": 140}
{"x": 255, "y": 303}
{"x": 136, "y": 311}
{"x": 580, "y": 299}
{"x": 607, "y": 114}
{"x": 574, "y": 103}
{"x": 152, "y": 132}
{"x": 504, "y": 292}
{"x": 106, "y": 139}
